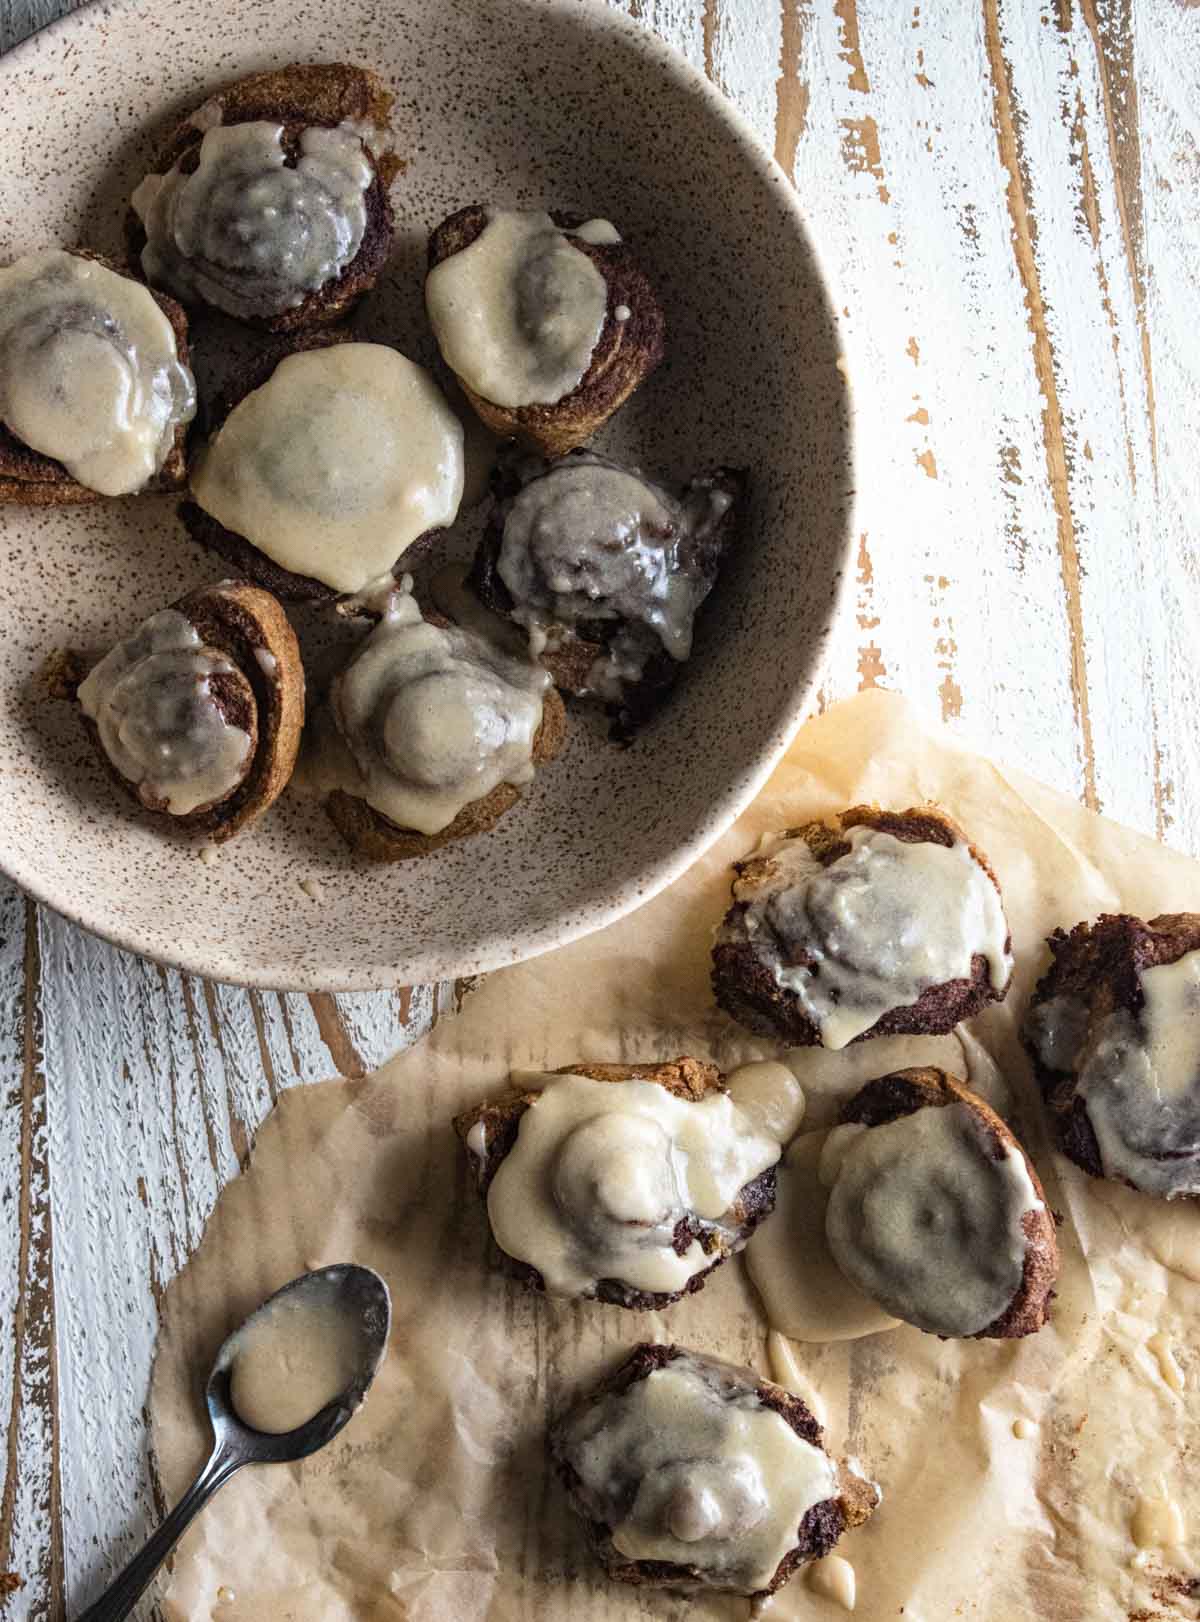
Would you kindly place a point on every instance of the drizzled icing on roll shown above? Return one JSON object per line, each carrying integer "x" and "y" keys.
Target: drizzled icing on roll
{"x": 336, "y": 464}
{"x": 245, "y": 231}
{"x": 518, "y": 312}
{"x": 604, "y": 1173}
{"x": 688, "y": 1466}
{"x": 872, "y": 930}
{"x": 1138, "y": 1072}
{"x": 161, "y": 722}
{"x": 925, "y": 1216}
{"x": 586, "y": 540}
{"x": 431, "y": 719}
{"x": 806, "y": 1295}
{"x": 89, "y": 370}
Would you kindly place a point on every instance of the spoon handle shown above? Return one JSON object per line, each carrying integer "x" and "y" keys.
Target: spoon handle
{"x": 123, "y": 1594}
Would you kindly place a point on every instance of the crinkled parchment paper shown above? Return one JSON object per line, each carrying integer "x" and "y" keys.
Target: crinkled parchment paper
{"x": 1015, "y": 1476}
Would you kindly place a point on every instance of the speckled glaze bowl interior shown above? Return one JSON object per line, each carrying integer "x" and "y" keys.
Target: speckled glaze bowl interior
{"x": 546, "y": 103}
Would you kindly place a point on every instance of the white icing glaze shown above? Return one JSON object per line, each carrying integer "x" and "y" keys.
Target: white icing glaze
{"x": 830, "y": 1079}
{"x": 518, "y": 312}
{"x": 1138, "y": 1074}
{"x": 838, "y": 1143}
{"x": 336, "y": 464}
{"x": 1058, "y": 1029}
{"x": 1157, "y": 1521}
{"x": 768, "y": 1094}
{"x": 834, "y": 1579}
{"x": 687, "y": 1466}
{"x": 1160, "y": 1348}
{"x": 208, "y": 115}
{"x": 427, "y": 720}
{"x": 601, "y": 233}
{"x": 877, "y": 927}
{"x": 158, "y": 721}
{"x": 586, "y": 539}
{"x": 602, "y": 1173}
{"x": 248, "y": 233}
{"x": 786, "y": 1371}
{"x": 924, "y": 1220}
{"x": 89, "y": 370}
{"x": 804, "y": 1293}
{"x": 293, "y": 1358}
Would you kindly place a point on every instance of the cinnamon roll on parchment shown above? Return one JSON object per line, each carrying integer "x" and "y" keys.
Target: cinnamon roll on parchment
{"x": 692, "y": 1473}
{"x": 935, "y": 1210}
{"x": 872, "y": 923}
{"x": 624, "y": 1183}
{"x": 1113, "y": 1030}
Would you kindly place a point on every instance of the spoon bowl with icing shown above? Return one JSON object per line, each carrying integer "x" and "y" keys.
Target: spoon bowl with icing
{"x": 282, "y": 1386}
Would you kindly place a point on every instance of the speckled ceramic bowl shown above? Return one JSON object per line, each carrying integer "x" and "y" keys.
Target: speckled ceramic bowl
{"x": 551, "y": 103}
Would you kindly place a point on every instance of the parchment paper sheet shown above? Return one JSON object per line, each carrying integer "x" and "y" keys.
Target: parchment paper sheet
{"x": 436, "y": 1505}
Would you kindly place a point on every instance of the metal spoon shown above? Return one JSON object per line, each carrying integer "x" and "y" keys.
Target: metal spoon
{"x": 356, "y": 1291}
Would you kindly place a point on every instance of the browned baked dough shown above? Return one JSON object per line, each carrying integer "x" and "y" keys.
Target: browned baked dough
{"x": 686, "y": 1078}
{"x": 576, "y": 650}
{"x": 371, "y": 835}
{"x": 903, "y": 1092}
{"x": 238, "y": 619}
{"x": 745, "y": 987}
{"x": 817, "y": 1533}
{"x": 626, "y": 352}
{"x": 298, "y": 97}
{"x": 1099, "y": 964}
{"x": 27, "y": 478}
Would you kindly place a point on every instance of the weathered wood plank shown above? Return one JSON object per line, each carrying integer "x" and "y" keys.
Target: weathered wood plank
{"x": 959, "y": 595}
{"x": 1154, "y": 103}
{"x": 1099, "y": 428}
{"x": 31, "y": 1544}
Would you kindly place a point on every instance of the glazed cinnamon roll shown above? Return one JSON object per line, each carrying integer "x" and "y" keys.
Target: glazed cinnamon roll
{"x": 198, "y": 713}
{"x": 622, "y": 1183}
{"x": 605, "y": 572}
{"x": 324, "y": 467}
{"x": 1114, "y": 1033}
{"x": 270, "y": 202}
{"x": 935, "y": 1211}
{"x": 876, "y": 923}
{"x": 547, "y": 321}
{"x": 693, "y": 1473}
{"x": 96, "y": 393}
{"x": 430, "y": 734}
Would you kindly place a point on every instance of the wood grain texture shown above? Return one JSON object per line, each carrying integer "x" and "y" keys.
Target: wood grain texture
{"x": 1005, "y": 197}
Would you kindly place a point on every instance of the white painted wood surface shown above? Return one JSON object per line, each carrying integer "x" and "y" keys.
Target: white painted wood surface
{"x": 1006, "y": 194}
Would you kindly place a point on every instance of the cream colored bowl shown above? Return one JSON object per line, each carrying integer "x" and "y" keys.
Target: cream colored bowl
{"x": 548, "y": 103}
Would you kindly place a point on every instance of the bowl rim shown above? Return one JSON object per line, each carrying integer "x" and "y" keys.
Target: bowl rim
{"x": 722, "y": 811}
